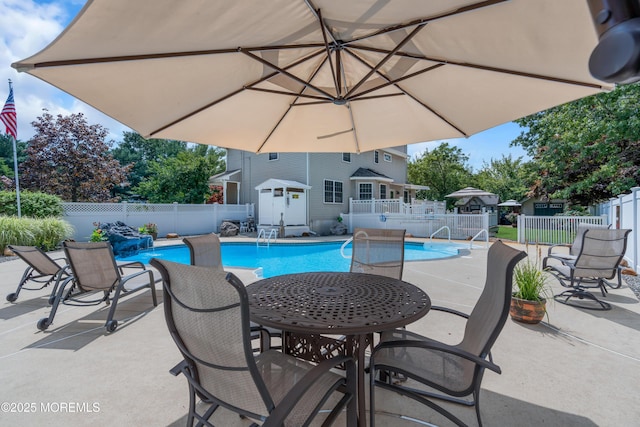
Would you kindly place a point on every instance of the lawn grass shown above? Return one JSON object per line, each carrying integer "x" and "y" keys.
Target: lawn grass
{"x": 507, "y": 232}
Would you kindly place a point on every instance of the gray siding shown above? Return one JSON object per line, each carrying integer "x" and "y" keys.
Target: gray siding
{"x": 257, "y": 168}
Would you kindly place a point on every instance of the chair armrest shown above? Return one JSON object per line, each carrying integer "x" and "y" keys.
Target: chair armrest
{"x": 181, "y": 367}
{"x": 132, "y": 264}
{"x": 450, "y": 311}
{"x": 125, "y": 279}
{"x": 558, "y": 245}
{"x": 438, "y": 346}
{"x": 288, "y": 402}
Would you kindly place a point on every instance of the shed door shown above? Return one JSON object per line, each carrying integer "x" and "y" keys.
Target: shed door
{"x": 296, "y": 207}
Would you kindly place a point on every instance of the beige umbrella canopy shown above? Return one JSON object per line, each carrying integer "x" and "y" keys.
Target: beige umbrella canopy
{"x": 321, "y": 75}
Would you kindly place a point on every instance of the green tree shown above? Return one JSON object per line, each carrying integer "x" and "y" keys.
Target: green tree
{"x": 69, "y": 158}
{"x": 507, "y": 177}
{"x": 444, "y": 169}
{"x": 136, "y": 150}
{"x": 183, "y": 178}
{"x": 6, "y": 154}
{"x": 587, "y": 150}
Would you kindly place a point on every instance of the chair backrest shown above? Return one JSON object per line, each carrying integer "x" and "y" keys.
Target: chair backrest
{"x": 93, "y": 265}
{"x": 207, "y": 313}
{"x": 204, "y": 250}
{"x": 582, "y": 227}
{"x": 37, "y": 259}
{"x": 378, "y": 251}
{"x": 492, "y": 309}
{"x": 601, "y": 253}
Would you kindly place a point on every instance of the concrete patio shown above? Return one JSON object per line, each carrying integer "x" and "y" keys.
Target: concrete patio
{"x": 577, "y": 368}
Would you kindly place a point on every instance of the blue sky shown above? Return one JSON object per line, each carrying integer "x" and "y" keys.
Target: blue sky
{"x": 28, "y": 26}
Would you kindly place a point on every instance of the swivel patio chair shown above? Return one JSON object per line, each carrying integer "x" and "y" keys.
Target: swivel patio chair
{"x": 207, "y": 313}
{"x": 94, "y": 270}
{"x": 574, "y": 249}
{"x": 452, "y": 373}
{"x": 596, "y": 263}
{"x": 205, "y": 251}
{"x": 41, "y": 269}
{"x": 378, "y": 251}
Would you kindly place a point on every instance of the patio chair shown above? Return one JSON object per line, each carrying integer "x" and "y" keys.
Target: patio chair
{"x": 41, "y": 269}
{"x": 574, "y": 247}
{"x": 596, "y": 263}
{"x": 378, "y": 251}
{"x": 207, "y": 313}
{"x": 94, "y": 270}
{"x": 205, "y": 251}
{"x": 452, "y": 373}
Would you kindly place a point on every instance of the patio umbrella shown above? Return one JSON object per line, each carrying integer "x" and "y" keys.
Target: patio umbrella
{"x": 321, "y": 75}
{"x": 509, "y": 203}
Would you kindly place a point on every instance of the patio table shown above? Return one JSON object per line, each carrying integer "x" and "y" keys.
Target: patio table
{"x": 308, "y": 306}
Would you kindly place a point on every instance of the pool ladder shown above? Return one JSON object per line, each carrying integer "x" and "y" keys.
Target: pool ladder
{"x": 265, "y": 240}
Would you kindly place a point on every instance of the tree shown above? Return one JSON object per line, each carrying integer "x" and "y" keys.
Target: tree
{"x": 136, "y": 150}
{"x": 443, "y": 169}
{"x": 6, "y": 154}
{"x": 507, "y": 177}
{"x": 69, "y": 158}
{"x": 183, "y": 178}
{"x": 588, "y": 150}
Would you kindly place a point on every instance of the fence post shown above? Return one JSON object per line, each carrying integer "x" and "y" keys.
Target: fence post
{"x": 520, "y": 226}
{"x": 175, "y": 217}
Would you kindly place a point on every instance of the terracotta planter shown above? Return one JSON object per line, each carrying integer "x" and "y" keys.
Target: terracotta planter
{"x": 526, "y": 311}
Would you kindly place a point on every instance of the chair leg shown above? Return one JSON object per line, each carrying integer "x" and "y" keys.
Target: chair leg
{"x": 565, "y": 298}
{"x": 45, "y": 322}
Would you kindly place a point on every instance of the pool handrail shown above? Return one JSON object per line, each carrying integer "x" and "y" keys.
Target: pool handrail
{"x": 343, "y": 246}
{"x": 438, "y": 230}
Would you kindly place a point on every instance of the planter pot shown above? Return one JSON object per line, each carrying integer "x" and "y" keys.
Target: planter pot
{"x": 154, "y": 236}
{"x": 526, "y": 311}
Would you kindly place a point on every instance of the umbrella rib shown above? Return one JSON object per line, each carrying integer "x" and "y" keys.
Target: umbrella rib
{"x": 410, "y": 95}
{"x": 484, "y": 67}
{"x": 124, "y": 58}
{"x": 385, "y": 59}
{"x": 288, "y": 109}
{"x": 281, "y": 92}
{"x": 286, "y": 73}
{"x": 424, "y": 21}
{"x": 394, "y": 81}
{"x": 326, "y": 45}
{"x": 249, "y": 86}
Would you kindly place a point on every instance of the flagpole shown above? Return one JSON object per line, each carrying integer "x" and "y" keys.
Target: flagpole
{"x": 15, "y": 172}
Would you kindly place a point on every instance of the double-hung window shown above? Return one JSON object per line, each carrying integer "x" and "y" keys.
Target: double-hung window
{"x": 332, "y": 191}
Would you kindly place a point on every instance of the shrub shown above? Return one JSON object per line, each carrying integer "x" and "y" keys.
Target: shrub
{"x": 45, "y": 233}
{"x": 32, "y": 204}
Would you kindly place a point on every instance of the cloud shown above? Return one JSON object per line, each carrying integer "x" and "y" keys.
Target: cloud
{"x": 28, "y": 27}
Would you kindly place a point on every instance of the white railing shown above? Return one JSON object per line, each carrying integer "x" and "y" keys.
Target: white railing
{"x": 177, "y": 218}
{"x": 552, "y": 229}
{"x": 396, "y": 206}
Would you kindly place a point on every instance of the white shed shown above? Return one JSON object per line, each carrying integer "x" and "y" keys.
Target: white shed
{"x": 279, "y": 198}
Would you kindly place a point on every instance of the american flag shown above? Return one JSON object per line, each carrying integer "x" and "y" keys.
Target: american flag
{"x": 8, "y": 115}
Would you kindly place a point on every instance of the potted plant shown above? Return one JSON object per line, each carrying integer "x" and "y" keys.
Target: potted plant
{"x": 528, "y": 302}
{"x": 149, "y": 228}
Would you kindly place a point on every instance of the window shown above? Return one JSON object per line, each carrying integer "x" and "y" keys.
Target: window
{"x": 273, "y": 156}
{"x": 383, "y": 191}
{"x": 365, "y": 191}
{"x": 332, "y": 191}
{"x": 387, "y": 157}
{"x": 346, "y": 157}
{"x": 376, "y": 156}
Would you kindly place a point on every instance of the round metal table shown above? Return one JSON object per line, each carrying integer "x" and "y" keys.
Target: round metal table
{"x": 307, "y": 305}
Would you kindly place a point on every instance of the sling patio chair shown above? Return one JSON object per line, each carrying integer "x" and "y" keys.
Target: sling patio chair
{"x": 451, "y": 373}
{"x": 205, "y": 251}
{"x": 597, "y": 262}
{"x": 378, "y": 251}
{"x": 94, "y": 270}
{"x": 207, "y": 313}
{"x": 41, "y": 269}
{"x": 574, "y": 248}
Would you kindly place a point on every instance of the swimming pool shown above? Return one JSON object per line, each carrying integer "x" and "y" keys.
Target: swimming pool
{"x": 286, "y": 258}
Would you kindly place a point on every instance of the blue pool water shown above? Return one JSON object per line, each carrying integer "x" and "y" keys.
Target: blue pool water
{"x": 286, "y": 258}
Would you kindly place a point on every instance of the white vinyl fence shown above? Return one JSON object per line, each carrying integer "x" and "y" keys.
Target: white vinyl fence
{"x": 177, "y": 218}
{"x": 623, "y": 212}
{"x": 551, "y": 230}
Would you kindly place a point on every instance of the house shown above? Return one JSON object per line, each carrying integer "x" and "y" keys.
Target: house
{"x": 542, "y": 207}
{"x": 332, "y": 178}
